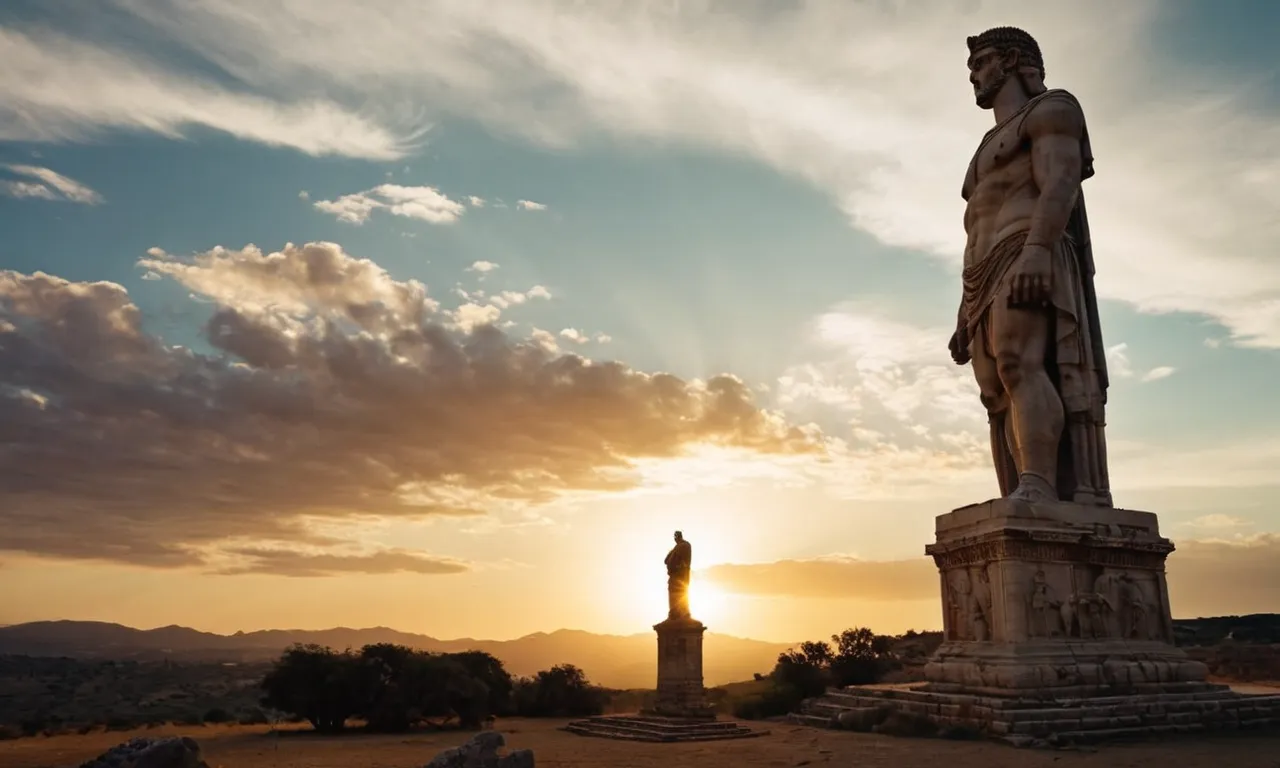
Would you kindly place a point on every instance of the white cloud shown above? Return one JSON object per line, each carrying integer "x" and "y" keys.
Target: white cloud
{"x": 21, "y": 189}
{"x": 48, "y": 184}
{"x": 425, "y": 203}
{"x": 482, "y": 266}
{"x": 539, "y": 292}
{"x": 304, "y": 195}
{"x": 574, "y": 335}
{"x": 475, "y": 202}
{"x": 865, "y": 100}
{"x": 529, "y": 205}
{"x": 470, "y": 316}
{"x": 1118, "y": 364}
{"x": 882, "y": 370}
{"x": 58, "y": 88}
{"x": 1217, "y": 521}
{"x": 1121, "y": 367}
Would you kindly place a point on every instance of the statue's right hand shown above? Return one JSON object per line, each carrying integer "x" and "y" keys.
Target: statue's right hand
{"x": 959, "y": 346}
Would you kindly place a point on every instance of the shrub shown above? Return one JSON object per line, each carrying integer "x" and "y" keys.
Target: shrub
{"x": 218, "y": 715}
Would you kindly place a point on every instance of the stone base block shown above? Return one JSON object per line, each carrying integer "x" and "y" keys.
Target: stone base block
{"x": 1038, "y": 597}
{"x": 1061, "y": 667}
{"x": 1190, "y": 708}
{"x": 663, "y": 729}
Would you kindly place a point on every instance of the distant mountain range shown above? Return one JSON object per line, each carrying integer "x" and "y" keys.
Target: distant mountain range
{"x": 616, "y": 661}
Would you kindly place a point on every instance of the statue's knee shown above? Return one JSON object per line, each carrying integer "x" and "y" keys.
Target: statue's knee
{"x": 1011, "y": 368}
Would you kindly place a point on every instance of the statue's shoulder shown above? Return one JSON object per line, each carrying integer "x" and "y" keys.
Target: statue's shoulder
{"x": 1054, "y": 111}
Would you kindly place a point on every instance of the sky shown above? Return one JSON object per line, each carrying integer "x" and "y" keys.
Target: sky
{"x": 444, "y": 315}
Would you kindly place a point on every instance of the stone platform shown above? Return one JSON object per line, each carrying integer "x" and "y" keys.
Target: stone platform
{"x": 665, "y": 729}
{"x": 1189, "y": 708}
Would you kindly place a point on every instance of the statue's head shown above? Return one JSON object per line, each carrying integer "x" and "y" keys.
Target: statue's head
{"x": 998, "y": 54}
{"x": 679, "y": 536}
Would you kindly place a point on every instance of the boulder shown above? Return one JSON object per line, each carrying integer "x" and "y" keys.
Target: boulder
{"x": 482, "y": 752}
{"x": 144, "y": 752}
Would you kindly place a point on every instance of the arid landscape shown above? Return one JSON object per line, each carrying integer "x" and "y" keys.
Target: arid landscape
{"x": 785, "y": 745}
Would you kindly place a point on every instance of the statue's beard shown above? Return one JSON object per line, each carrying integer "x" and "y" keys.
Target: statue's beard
{"x": 986, "y": 97}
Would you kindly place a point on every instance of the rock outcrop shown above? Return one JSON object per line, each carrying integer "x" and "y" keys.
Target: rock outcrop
{"x": 144, "y": 752}
{"x": 482, "y": 752}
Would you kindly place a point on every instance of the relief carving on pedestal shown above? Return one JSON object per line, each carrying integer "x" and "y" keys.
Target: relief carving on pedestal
{"x": 968, "y": 602}
{"x": 1046, "y": 617}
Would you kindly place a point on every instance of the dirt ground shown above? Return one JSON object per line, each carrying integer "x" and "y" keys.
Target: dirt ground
{"x": 785, "y": 746}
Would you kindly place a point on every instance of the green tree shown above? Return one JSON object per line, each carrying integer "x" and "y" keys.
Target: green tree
{"x": 316, "y": 683}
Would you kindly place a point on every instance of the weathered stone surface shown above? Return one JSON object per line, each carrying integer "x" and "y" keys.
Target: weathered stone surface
{"x": 1055, "y": 598}
{"x": 143, "y": 752}
{"x": 482, "y": 752}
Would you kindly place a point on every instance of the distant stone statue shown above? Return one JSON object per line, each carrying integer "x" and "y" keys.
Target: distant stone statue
{"x": 678, "y": 562}
{"x": 1028, "y": 319}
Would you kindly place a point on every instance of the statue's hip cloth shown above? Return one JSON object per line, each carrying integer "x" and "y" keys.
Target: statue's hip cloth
{"x": 1069, "y": 354}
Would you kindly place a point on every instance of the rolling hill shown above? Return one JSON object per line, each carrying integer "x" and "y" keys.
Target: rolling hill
{"x": 616, "y": 661}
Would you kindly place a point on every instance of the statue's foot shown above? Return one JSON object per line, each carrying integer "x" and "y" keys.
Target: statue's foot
{"x": 1033, "y": 489}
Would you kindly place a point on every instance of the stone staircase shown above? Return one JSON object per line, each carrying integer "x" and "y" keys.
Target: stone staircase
{"x": 660, "y": 729}
{"x": 1038, "y": 722}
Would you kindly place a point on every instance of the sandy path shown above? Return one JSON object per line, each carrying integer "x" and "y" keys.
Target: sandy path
{"x": 785, "y": 746}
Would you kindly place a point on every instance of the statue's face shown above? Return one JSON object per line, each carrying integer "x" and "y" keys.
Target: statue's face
{"x": 988, "y": 72}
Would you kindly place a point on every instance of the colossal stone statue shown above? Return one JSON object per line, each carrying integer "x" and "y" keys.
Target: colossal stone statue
{"x": 1028, "y": 317}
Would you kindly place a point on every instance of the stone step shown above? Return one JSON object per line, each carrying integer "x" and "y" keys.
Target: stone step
{"x": 1031, "y": 721}
{"x": 659, "y": 730}
{"x": 643, "y": 724}
{"x": 628, "y": 734}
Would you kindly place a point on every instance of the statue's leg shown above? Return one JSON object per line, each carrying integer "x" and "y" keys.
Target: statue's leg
{"x": 996, "y": 401}
{"x": 1020, "y": 338}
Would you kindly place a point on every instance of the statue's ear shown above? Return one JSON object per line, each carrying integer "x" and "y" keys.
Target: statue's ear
{"x": 1010, "y": 59}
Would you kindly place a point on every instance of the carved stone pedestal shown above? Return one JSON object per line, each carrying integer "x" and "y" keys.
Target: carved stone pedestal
{"x": 1057, "y": 631}
{"x": 1054, "y": 600}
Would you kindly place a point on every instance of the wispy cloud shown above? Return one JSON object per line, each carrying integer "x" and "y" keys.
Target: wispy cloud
{"x": 529, "y": 205}
{"x": 822, "y": 91}
{"x": 281, "y": 561}
{"x": 59, "y": 88}
{"x": 1121, "y": 367}
{"x": 46, "y": 184}
{"x": 1206, "y": 577}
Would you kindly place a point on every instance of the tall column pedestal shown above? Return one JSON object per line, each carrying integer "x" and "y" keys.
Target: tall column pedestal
{"x": 680, "y": 711}
{"x": 680, "y": 690}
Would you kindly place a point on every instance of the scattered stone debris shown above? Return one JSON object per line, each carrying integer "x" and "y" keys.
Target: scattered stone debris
{"x": 145, "y": 752}
{"x": 482, "y": 752}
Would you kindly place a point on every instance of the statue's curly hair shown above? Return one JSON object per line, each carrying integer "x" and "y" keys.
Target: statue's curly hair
{"x": 1010, "y": 38}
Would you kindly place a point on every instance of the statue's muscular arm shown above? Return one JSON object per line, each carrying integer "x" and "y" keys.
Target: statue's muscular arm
{"x": 1054, "y": 129}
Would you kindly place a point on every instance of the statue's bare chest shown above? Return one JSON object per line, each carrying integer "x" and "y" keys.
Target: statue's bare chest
{"x": 1004, "y": 151}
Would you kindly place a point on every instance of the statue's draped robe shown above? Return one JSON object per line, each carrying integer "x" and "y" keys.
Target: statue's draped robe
{"x": 678, "y": 562}
{"x": 1075, "y": 358}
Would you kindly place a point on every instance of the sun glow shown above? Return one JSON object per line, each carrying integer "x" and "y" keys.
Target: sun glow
{"x": 707, "y": 603}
